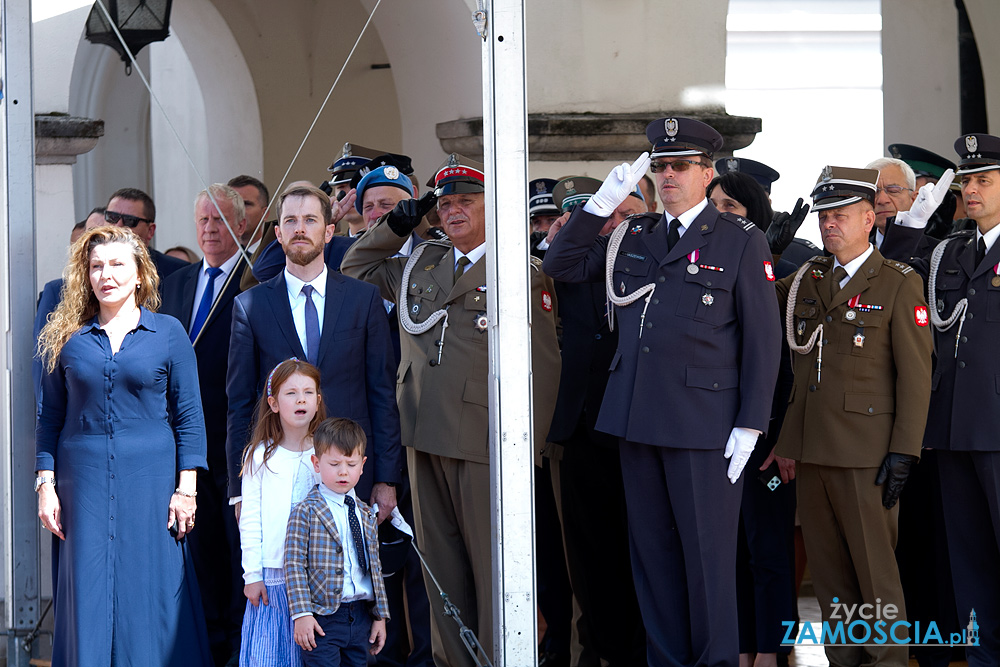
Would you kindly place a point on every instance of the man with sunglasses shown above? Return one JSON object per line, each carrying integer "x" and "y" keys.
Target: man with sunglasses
{"x": 133, "y": 208}
{"x": 690, "y": 385}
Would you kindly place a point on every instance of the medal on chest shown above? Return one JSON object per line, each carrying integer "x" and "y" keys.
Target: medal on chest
{"x": 692, "y": 266}
{"x": 995, "y": 280}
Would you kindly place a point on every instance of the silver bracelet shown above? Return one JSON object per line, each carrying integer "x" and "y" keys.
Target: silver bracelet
{"x": 185, "y": 493}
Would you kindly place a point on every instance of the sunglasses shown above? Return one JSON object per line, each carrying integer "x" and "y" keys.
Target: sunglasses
{"x": 677, "y": 165}
{"x": 130, "y": 221}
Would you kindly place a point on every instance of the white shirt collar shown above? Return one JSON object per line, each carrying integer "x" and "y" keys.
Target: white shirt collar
{"x": 474, "y": 255}
{"x": 688, "y": 216}
{"x": 336, "y": 497}
{"x": 227, "y": 266}
{"x": 295, "y": 285}
{"x": 990, "y": 236}
{"x": 852, "y": 266}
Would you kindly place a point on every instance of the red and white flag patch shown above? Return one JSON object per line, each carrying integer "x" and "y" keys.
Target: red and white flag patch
{"x": 920, "y": 315}
{"x": 769, "y": 271}
{"x": 546, "y": 301}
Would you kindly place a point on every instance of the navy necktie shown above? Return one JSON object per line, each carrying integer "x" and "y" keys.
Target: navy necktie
{"x": 206, "y": 301}
{"x": 673, "y": 233}
{"x": 312, "y": 326}
{"x": 359, "y": 541}
{"x": 980, "y": 250}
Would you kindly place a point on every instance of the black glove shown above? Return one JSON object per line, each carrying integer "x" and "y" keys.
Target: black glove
{"x": 408, "y": 213}
{"x": 893, "y": 473}
{"x": 940, "y": 223}
{"x": 782, "y": 229}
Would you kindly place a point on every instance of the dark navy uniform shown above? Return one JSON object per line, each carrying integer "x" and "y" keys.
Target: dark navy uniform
{"x": 698, "y": 359}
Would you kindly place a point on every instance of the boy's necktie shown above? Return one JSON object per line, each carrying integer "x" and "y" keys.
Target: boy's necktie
{"x": 359, "y": 542}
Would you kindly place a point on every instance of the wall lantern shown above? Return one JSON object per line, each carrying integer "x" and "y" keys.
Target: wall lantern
{"x": 140, "y": 22}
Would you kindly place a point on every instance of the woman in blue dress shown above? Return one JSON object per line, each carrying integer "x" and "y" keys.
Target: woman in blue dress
{"x": 119, "y": 438}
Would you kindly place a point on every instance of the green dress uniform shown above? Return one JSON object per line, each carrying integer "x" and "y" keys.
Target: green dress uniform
{"x": 443, "y": 398}
{"x": 866, "y": 398}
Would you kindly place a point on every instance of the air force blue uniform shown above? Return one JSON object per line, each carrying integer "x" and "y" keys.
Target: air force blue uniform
{"x": 701, "y": 361}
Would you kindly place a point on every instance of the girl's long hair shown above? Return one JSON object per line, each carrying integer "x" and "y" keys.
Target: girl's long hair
{"x": 77, "y": 302}
{"x": 267, "y": 430}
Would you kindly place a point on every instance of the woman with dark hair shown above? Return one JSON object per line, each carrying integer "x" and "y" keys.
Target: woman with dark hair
{"x": 737, "y": 193}
{"x": 120, "y": 433}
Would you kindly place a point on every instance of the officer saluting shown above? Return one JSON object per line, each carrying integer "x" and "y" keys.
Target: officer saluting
{"x": 857, "y": 325}
{"x": 690, "y": 385}
{"x": 963, "y": 276}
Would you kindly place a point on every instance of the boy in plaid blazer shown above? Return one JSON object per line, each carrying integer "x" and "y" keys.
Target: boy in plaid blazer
{"x": 336, "y": 594}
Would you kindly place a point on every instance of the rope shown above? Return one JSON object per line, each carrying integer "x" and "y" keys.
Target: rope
{"x": 411, "y": 327}
{"x": 816, "y": 339}
{"x": 958, "y": 313}
{"x": 609, "y": 270}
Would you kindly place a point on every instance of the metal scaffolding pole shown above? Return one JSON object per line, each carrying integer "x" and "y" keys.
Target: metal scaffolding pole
{"x": 505, "y": 144}
{"x": 22, "y": 582}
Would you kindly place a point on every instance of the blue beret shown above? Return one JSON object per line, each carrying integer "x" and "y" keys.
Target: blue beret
{"x": 387, "y": 175}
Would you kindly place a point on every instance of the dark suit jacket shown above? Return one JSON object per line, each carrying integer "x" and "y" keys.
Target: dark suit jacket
{"x": 165, "y": 264}
{"x": 355, "y": 362}
{"x": 212, "y": 348}
{"x": 702, "y": 365}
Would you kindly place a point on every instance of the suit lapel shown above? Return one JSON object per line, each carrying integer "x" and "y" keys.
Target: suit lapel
{"x": 187, "y": 300}
{"x": 992, "y": 258}
{"x": 655, "y": 239}
{"x": 474, "y": 276}
{"x": 694, "y": 235}
{"x": 335, "y": 293}
{"x": 326, "y": 516}
{"x": 967, "y": 257}
{"x": 282, "y": 313}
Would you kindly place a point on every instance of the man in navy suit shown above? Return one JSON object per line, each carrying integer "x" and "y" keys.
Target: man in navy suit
{"x": 690, "y": 385}
{"x": 336, "y": 323}
{"x": 201, "y": 297}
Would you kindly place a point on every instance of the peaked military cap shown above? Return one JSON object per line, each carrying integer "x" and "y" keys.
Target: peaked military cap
{"x": 388, "y": 175}
{"x": 682, "y": 136}
{"x": 574, "y": 190}
{"x": 922, "y": 161}
{"x": 458, "y": 174}
{"x": 540, "y": 197}
{"x": 843, "y": 186}
{"x": 759, "y": 171}
{"x": 399, "y": 161}
{"x": 978, "y": 152}
{"x": 352, "y": 157}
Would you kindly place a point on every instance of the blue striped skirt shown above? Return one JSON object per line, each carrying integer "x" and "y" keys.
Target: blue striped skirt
{"x": 268, "y": 638}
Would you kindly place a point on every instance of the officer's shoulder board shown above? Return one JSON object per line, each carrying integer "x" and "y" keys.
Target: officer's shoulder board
{"x": 962, "y": 234}
{"x": 652, "y": 217}
{"x": 739, "y": 221}
{"x": 820, "y": 260}
{"x": 440, "y": 243}
{"x": 898, "y": 266}
{"x": 536, "y": 263}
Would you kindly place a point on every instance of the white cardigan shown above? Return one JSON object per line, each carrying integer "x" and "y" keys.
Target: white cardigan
{"x": 269, "y": 493}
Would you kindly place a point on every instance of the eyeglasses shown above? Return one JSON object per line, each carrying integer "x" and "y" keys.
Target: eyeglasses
{"x": 677, "y": 165}
{"x": 130, "y": 221}
{"x": 892, "y": 190}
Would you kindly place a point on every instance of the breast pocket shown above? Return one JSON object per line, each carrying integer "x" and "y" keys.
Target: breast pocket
{"x": 859, "y": 335}
{"x": 632, "y": 272}
{"x": 421, "y": 296}
{"x": 707, "y": 296}
{"x": 474, "y": 319}
{"x": 949, "y": 291}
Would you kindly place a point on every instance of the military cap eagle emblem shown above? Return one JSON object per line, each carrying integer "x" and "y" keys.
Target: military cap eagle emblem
{"x": 827, "y": 173}
{"x": 670, "y": 127}
{"x": 540, "y": 187}
{"x": 971, "y": 143}
{"x": 732, "y": 164}
{"x": 346, "y": 150}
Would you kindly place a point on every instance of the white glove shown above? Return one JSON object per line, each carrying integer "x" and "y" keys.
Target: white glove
{"x": 616, "y": 187}
{"x": 929, "y": 197}
{"x": 738, "y": 450}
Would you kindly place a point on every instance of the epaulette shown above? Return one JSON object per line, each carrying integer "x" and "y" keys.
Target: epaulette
{"x": 648, "y": 214}
{"x": 821, "y": 260}
{"x": 899, "y": 266}
{"x": 739, "y": 221}
{"x": 443, "y": 243}
{"x": 806, "y": 243}
{"x": 962, "y": 234}
{"x": 536, "y": 263}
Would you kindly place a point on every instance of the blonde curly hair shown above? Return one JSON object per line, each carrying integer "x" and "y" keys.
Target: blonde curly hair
{"x": 77, "y": 301}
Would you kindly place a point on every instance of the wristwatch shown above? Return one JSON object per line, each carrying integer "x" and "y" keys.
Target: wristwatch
{"x": 44, "y": 480}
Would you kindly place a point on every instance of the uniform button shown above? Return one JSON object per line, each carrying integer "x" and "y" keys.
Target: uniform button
{"x": 715, "y": 385}
{"x": 340, "y": 549}
{"x": 826, "y": 341}
{"x": 597, "y": 336}
{"x": 972, "y": 291}
{"x": 969, "y": 316}
{"x": 829, "y": 318}
{"x": 964, "y": 339}
{"x": 338, "y": 571}
{"x": 871, "y": 410}
{"x": 660, "y": 279}
{"x": 656, "y": 301}
{"x": 961, "y": 364}
{"x": 861, "y": 323}
{"x": 812, "y": 387}
{"x": 708, "y": 283}
{"x": 645, "y": 349}
{"x": 649, "y": 325}
{"x": 628, "y": 270}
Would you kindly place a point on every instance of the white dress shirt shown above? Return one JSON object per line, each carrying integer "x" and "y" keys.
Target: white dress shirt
{"x": 852, "y": 266}
{"x": 688, "y": 216}
{"x": 990, "y": 236}
{"x": 220, "y": 280}
{"x": 357, "y": 585}
{"x": 297, "y": 300}
{"x": 474, "y": 255}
